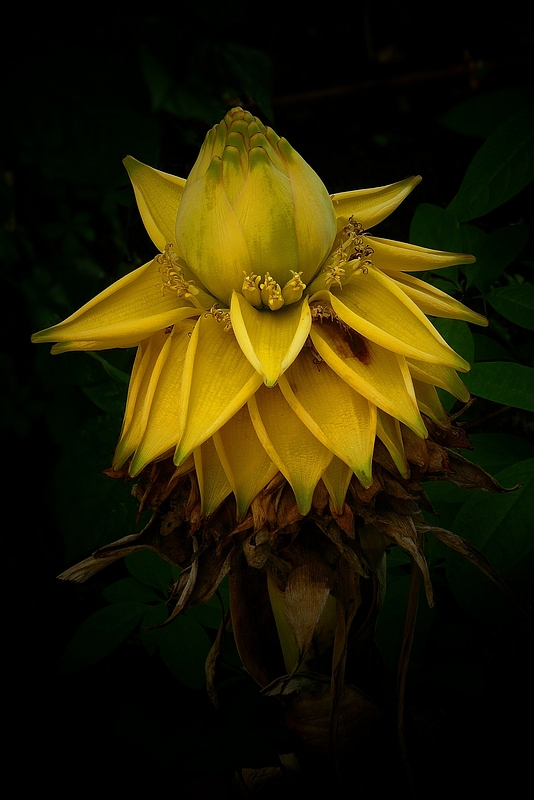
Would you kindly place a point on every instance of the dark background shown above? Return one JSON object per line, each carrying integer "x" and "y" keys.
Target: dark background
{"x": 360, "y": 91}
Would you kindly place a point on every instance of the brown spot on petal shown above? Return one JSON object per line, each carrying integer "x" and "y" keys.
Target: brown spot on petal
{"x": 346, "y": 342}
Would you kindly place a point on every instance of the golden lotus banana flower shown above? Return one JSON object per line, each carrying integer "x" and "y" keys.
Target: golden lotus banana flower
{"x": 274, "y": 333}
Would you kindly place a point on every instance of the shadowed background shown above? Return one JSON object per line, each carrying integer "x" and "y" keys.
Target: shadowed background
{"x": 368, "y": 95}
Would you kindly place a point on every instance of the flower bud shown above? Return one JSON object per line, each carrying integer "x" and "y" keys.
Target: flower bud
{"x": 252, "y": 204}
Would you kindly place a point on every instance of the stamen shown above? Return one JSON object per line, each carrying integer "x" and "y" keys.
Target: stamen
{"x": 292, "y": 291}
{"x": 351, "y": 258}
{"x": 321, "y": 311}
{"x": 271, "y": 293}
{"x": 251, "y": 290}
{"x": 268, "y": 294}
{"x": 172, "y": 278}
{"x": 335, "y": 273}
{"x": 221, "y": 315}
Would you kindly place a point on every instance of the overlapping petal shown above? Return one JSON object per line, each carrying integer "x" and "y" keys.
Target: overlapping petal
{"x": 430, "y": 404}
{"x": 433, "y": 301}
{"x": 378, "y": 374}
{"x": 221, "y": 381}
{"x": 337, "y": 477}
{"x": 342, "y": 419}
{"x": 168, "y": 399}
{"x": 269, "y": 226}
{"x": 212, "y": 480}
{"x": 399, "y": 256}
{"x": 158, "y": 197}
{"x": 439, "y": 375}
{"x": 244, "y": 460}
{"x": 146, "y": 370}
{"x": 270, "y": 340}
{"x": 389, "y": 432}
{"x": 315, "y": 219}
{"x": 124, "y": 314}
{"x": 376, "y": 307}
{"x": 371, "y": 206}
{"x": 297, "y": 453}
{"x": 210, "y": 237}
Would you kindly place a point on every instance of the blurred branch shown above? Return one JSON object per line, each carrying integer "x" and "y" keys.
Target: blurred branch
{"x": 470, "y": 67}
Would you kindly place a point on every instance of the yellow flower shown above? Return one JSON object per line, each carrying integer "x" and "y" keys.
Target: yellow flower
{"x": 274, "y": 333}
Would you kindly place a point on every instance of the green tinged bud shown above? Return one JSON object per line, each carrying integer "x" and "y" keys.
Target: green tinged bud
{"x": 251, "y": 204}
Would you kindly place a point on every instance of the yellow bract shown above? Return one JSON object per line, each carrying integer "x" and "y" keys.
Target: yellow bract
{"x": 274, "y": 333}
{"x": 252, "y": 205}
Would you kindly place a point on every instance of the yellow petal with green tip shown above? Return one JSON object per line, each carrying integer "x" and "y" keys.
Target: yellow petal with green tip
{"x": 130, "y": 310}
{"x": 222, "y": 380}
{"x": 430, "y": 404}
{"x": 271, "y": 340}
{"x": 389, "y": 432}
{"x": 126, "y": 334}
{"x": 336, "y": 478}
{"x": 207, "y": 151}
{"x": 377, "y": 308}
{"x": 169, "y": 398}
{"x": 149, "y": 361}
{"x": 339, "y": 417}
{"x": 433, "y": 301}
{"x": 212, "y": 481}
{"x": 245, "y": 462}
{"x": 371, "y": 206}
{"x": 94, "y": 344}
{"x": 265, "y": 212}
{"x": 375, "y": 372}
{"x": 210, "y": 237}
{"x": 315, "y": 219}
{"x": 438, "y": 375}
{"x": 299, "y": 456}
{"x": 158, "y": 197}
{"x": 234, "y": 172}
{"x": 391, "y": 255}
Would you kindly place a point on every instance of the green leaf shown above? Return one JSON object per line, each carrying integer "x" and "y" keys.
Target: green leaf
{"x": 458, "y": 335}
{"x": 131, "y": 591}
{"x": 155, "y": 615}
{"x": 500, "y": 169}
{"x": 436, "y": 228}
{"x": 495, "y": 452}
{"x": 493, "y": 251}
{"x": 478, "y": 117}
{"x": 208, "y": 615}
{"x": 151, "y": 569}
{"x": 107, "y": 392}
{"x": 433, "y": 226}
{"x": 117, "y": 374}
{"x": 100, "y": 634}
{"x": 397, "y": 557}
{"x": 515, "y": 302}
{"x": 444, "y": 492}
{"x": 525, "y": 351}
{"x": 99, "y": 509}
{"x": 503, "y": 382}
{"x": 501, "y": 524}
{"x": 501, "y": 527}
{"x": 184, "y": 646}
{"x": 487, "y": 349}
